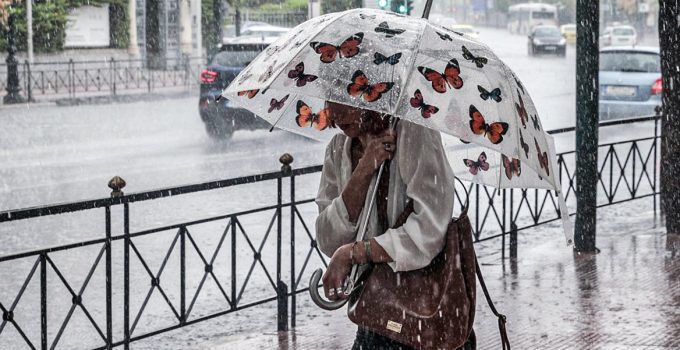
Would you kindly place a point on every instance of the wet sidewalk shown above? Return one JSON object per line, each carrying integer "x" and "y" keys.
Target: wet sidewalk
{"x": 625, "y": 297}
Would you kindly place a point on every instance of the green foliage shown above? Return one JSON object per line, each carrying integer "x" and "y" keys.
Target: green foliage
{"x": 49, "y": 27}
{"x": 120, "y": 25}
{"x": 288, "y": 5}
{"x": 211, "y": 36}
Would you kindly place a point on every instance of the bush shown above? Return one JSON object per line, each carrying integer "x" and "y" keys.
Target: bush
{"x": 49, "y": 27}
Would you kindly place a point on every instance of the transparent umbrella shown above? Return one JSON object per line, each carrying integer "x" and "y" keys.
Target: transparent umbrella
{"x": 412, "y": 69}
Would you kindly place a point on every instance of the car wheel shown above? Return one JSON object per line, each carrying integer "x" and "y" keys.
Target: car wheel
{"x": 219, "y": 129}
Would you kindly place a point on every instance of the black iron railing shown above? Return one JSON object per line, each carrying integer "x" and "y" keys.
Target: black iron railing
{"x": 628, "y": 170}
{"x": 71, "y": 79}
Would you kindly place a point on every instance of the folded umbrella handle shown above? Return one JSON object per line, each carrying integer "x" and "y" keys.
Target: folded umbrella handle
{"x": 318, "y": 299}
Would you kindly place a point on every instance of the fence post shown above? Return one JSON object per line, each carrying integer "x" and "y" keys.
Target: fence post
{"x": 28, "y": 80}
{"x": 109, "y": 304}
{"x": 293, "y": 210}
{"x": 281, "y": 288}
{"x": 513, "y": 226}
{"x": 117, "y": 184}
{"x": 662, "y": 169}
{"x": 113, "y": 76}
{"x": 71, "y": 79}
{"x": 43, "y": 301}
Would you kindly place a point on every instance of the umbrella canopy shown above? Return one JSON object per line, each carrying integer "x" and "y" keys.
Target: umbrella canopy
{"x": 412, "y": 69}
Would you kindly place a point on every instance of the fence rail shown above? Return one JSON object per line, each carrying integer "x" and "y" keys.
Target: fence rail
{"x": 73, "y": 79}
{"x": 281, "y": 252}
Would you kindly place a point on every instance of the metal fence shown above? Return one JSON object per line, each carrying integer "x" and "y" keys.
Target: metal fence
{"x": 71, "y": 79}
{"x": 282, "y": 249}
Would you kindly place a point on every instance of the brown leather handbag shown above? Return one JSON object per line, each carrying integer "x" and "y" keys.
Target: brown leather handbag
{"x": 429, "y": 308}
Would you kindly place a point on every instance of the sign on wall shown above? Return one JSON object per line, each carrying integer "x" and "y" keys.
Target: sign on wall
{"x": 88, "y": 26}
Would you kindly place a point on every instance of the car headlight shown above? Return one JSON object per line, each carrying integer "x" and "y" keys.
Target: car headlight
{"x": 537, "y": 42}
{"x": 563, "y": 41}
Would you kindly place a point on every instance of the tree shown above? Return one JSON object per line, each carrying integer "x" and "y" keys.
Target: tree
{"x": 669, "y": 42}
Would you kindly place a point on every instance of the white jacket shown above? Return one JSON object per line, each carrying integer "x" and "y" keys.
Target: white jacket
{"x": 419, "y": 171}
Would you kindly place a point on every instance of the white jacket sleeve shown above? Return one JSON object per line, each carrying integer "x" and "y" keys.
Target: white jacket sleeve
{"x": 333, "y": 227}
{"x": 429, "y": 183}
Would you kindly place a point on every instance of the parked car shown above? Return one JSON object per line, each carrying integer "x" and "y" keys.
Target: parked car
{"x": 465, "y": 29}
{"x": 630, "y": 81}
{"x": 618, "y": 36}
{"x": 569, "y": 33}
{"x": 221, "y": 118}
{"x": 546, "y": 39}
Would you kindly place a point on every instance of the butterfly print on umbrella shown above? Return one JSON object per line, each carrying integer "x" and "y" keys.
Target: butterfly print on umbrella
{"x": 450, "y": 77}
{"x": 392, "y": 60}
{"x": 444, "y": 36}
{"x": 329, "y": 52}
{"x": 274, "y": 104}
{"x": 475, "y": 166}
{"x": 522, "y": 111}
{"x": 525, "y": 146}
{"x": 542, "y": 158}
{"x": 306, "y": 118}
{"x": 426, "y": 110}
{"x": 389, "y": 32}
{"x": 494, "y": 94}
{"x": 363, "y": 16}
{"x": 493, "y": 131}
{"x": 537, "y": 124}
{"x": 477, "y": 60}
{"x": 512, "y": 166}
{"x": 361, "y": 87}
{"x": 301, "y": 79}
{"x": 249, "y": 93}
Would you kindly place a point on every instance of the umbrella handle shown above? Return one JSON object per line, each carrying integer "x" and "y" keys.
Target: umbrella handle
{"x": 318, "y": 299}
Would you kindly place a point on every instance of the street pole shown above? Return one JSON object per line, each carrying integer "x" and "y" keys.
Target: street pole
{"x": 13, "y": 88}
{"x": 587, "y": 119}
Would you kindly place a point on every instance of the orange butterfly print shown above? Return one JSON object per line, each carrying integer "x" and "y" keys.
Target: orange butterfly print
{"x": 512, "y": 167}
{"x": 306, "y": 118}
{"x": 450, "y": 77}
{"x": 249, "y": 93}
{"x": 361, "y": 87}
{"x": 493, "y": 131}
{"x": 329, "y": 52}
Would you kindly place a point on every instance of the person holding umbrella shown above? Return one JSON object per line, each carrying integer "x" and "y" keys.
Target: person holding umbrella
{"x": 418, "y": 171}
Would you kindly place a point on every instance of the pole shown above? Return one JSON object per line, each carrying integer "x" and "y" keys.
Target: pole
{"x": 587, "y": 118}
{"x": 13, "y": 88}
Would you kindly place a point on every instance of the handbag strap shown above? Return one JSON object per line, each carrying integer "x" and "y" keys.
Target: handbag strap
{"x": 505, "y": 342}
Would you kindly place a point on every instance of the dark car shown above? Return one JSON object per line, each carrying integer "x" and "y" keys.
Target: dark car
{"x": 547, "y": 39}
{"x": 221, "y": 118}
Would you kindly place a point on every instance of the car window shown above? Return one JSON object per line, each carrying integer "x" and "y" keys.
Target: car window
{"x": 234, "y": 58}
{"x": 626, "y": 61}
{"x": 624, "y": 31}
{"x": 547, "y": 32}
{"x": 542, "y": 15}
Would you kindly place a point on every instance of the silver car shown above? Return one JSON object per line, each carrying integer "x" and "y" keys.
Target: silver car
{"x": 630, "y": 81}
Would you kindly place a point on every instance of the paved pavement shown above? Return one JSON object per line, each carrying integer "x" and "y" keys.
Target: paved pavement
{"x": 625, "y": 297}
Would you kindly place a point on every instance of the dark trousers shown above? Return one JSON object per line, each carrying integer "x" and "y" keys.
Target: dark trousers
{"x": 367, "y": 340}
